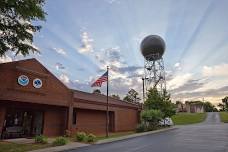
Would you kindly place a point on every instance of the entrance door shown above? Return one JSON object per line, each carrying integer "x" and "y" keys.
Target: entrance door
{"x": 22, "y": 123}
{"x": 26, "y": 123}
{"x": 37, "y": 128}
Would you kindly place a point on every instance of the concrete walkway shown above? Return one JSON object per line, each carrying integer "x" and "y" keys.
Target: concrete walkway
{"x": 69, "y": 146}
{"x": 74, "y": 145}
{"x": 20, "y": 140}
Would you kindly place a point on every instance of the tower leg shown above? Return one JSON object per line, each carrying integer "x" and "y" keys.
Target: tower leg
{"x": 154, "y": 73}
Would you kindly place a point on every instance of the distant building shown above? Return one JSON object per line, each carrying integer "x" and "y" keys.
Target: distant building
{"x": 190, "y": 107}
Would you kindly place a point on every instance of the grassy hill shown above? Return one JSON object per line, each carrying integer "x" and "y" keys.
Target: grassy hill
{"x": 188, "y": 118}
{"x": 224, "y": 117}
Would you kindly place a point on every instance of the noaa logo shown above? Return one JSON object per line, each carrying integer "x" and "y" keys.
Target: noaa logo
{"x": 23, "y": 80}
{"x": 37, "y": 83}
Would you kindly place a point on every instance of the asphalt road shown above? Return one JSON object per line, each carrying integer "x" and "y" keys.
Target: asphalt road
{"x": 209, "y": 136}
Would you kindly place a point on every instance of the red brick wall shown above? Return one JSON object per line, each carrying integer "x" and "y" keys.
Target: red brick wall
{"x": 91, "y": 121}
{"x": 2, "y": 118}
{"x": 126, "y": 119}
{"x": 54, "y": 122}
{"x": 53, "y": 92}
{"x": 94, "y": 121}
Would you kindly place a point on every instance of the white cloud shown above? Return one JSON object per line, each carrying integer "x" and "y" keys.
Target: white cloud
{"x": 215, "y": 71}
{"x": 177, "y": 66}
{"x": 179, "y": 80}
{"x": 64, "y": 78}
{"x": 60, "y": 51}
{"x": 213, "y": 84}
{"x": 5, "y": 59}
{"x": 86, "y": 43}
{"x": 113, "y": 1}
{"x": 111, "y": 57}
{"x": 59, "y": 66}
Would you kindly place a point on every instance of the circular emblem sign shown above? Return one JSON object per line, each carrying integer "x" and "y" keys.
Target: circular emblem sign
{"x": 37, "y": 83}
{"x": 23, "y": 80}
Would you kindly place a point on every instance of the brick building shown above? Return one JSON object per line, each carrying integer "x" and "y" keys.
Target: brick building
{"x": 190, "y": 107}
{"x": 33, "y": 101}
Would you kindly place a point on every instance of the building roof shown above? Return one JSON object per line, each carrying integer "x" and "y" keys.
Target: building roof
{"x": 35, "y": 67}
{"x": 101, "y": 98}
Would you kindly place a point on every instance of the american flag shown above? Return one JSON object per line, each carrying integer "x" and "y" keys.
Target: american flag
{"x": 99, "y": 81}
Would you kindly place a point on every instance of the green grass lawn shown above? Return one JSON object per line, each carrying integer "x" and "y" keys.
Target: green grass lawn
{"x": 12, "y": 147}
{"x": 115, "y": 135}
{"x": 224, "y": 116}
{"x": 188, "y": 118}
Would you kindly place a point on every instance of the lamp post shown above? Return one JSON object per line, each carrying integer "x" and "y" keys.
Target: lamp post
{"x": 144, "y": 79}
{"x": 143, "y": 89}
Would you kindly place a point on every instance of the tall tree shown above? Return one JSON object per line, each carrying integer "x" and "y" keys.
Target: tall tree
{"x": 209, "y": 107}
{"x": 221, "y": 107}
{"x": 115, "y": 96}
{"x": 97, "y": 91}
{"x": 16, "y": 25}
{"x": 225, "y": 102}
{"x": 132, "y": 96}
{"x": 158, "y": 101}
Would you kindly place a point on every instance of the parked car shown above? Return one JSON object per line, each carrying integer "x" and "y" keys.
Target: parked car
{"x": 166, "y": 122}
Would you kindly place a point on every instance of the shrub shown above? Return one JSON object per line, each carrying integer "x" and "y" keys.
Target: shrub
{"x": 67, "y": 133}
{"x": 60, "y": 141}
{"x": 81, "y": 136}
{"x": 41, "y": 139}
{"x": 91, "y": 138}
{"x": 141, "y": 127}
{"x": 151, "y": 117}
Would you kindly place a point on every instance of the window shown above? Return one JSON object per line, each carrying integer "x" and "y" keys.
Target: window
{"x": 74, "y": 116}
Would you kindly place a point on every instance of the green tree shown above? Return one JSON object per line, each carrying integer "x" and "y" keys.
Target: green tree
{"x": 209, "y": 107}
{"x": 225, "y": 103}
{"x": 221, "y": 107}
{"x": 132, "y": 96}
{"x": 97, "y": 91}
{"x": 158, "y": 101}
{"x": 16, "y": 25}
{"x": 115, "y": 96}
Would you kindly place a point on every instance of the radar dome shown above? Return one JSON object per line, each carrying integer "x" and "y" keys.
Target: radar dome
{"x": 152, "y": 47}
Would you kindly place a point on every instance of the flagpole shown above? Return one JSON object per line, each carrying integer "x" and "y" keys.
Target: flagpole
{"x": 107, "y": 106}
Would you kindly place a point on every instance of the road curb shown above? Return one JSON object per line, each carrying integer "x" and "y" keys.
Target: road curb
{"x": 75, "y": 145}
{"x": 133, "y": 135}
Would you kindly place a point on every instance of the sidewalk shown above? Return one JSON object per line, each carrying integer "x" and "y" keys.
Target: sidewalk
{"x": 74, "y": 145}
{"x": 69, "y": 146}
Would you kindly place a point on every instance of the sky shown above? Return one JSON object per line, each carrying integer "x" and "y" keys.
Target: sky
{"x": 80, "y": 38}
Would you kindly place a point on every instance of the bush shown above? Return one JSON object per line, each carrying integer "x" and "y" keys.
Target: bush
{"x": 41, "y": 139}
{"x": 81, "y": 136}
{"x": 151, "y": 117}
{"x": 141, "y": 127}
{"x": 91, "y": 138}
{"x": 60, "y": 141}
{"x": 67, "y": 133}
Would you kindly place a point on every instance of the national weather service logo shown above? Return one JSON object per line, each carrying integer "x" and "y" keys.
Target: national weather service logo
{"x": 37, "y": 83}
{"x": 23, "y": 80}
